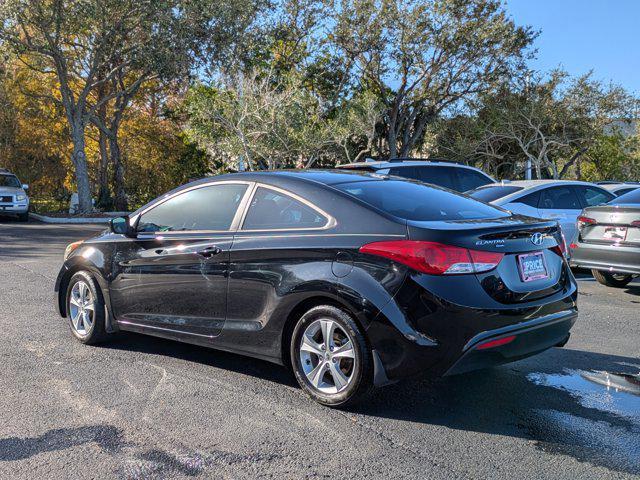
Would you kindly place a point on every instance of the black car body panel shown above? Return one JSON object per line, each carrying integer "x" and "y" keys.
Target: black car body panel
{"x": 246, "y": 296}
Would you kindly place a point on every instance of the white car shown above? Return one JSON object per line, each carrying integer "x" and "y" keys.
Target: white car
{"x": 560, "y": 200}
{"x": 13, "y": 196}
{"x": 619, "y": 189}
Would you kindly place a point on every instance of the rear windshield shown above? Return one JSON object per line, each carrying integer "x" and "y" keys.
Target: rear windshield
{"x": 631, "y": 197}
{"x": 415, "y": 201}
{"x": 489, "y": 194}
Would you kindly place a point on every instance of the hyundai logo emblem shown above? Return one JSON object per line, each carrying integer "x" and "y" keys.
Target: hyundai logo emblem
{"x": 537, "y": 238}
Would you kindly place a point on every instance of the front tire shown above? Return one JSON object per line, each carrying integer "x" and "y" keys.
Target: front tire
{"x": 330, "y": 357}
{"x": 23, "y": 217}
{"x": 85, "y": 309}
{"x": 609, "y": 279}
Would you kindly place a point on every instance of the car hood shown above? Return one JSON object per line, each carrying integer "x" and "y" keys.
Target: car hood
{"x": 11, "y": 191}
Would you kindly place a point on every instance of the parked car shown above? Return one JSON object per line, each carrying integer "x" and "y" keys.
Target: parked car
{"x": 13, "y": 196}
{"x": 620, "y": 188}
{"x": 352, "y": 279}
{"x": 453, "y": 176}
{"x": 560, "y": 200}
{"x": 608, "y": 240}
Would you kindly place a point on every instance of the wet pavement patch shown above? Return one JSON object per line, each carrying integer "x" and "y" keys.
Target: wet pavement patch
{"x": 608, "y": 436}
{"x": 608, "y": 392}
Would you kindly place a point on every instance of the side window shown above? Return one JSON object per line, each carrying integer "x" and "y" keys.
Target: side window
{"x": 560, "y": 198}
{"x": 470, "y": 179}
{"x": 270, "y": 210}
{"x": 591, "y": 196}
{"x": 405, "y": 172}
{"x": 624, "y": 190}
{"x": 532, "y": 199}
{"x": 441, "y": 176}
{"x": 206, "y": 208}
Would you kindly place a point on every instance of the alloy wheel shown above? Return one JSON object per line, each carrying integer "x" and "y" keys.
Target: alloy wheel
{"x": 327, "y": 356}
{"x": 81, "y": 308}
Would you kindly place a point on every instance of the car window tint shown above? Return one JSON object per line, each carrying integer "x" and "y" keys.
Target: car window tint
{"x": 405, "y": 172}
{"x": 441, "y": 176}
{"x": 470, "y": 179}
{"x": 414, "y": 201}
{"x": 9, "y": 181}
{"x": 632, "y": 197}
{"x": 271, "y": 209}
{"x": 622, "y": 191}
{"x": 489, "y": 194}
{"x": 592, "y": 196}
{"x": 207, "y": 208}
{"x": 560, "y": 198}
{"x": 533, "y": 199}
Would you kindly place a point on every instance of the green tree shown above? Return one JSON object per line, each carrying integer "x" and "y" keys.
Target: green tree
{"x": 102, "y": 51}
{"x": 544, "y": 124}
{"x": 424, "y": 58}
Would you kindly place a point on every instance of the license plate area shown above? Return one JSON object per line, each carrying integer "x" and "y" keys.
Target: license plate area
{"x": 532, "y": 266}
{"x": 615, "y": 234}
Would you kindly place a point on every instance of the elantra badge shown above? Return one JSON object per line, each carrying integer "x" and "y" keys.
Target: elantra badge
{"x": 537, "y": 238}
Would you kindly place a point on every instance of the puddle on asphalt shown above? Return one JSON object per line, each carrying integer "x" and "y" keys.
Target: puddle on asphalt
{"x": 609, "y": 392}
{"x": 610, "y": 438}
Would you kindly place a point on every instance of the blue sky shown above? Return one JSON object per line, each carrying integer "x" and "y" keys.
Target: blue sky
{"x": 583, "y": 35}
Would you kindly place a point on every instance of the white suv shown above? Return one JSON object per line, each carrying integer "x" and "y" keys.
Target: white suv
{"x": 13, "y": 196}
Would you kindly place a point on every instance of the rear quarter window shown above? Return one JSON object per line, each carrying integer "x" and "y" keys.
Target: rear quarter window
{"x": 413, "y": 201}
{"x": 470, "y": 179}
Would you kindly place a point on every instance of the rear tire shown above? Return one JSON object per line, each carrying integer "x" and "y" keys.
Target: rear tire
{"x": 335, "y": 372}
{"x": 85, "y": 309}
{"x": 609, "y": 279}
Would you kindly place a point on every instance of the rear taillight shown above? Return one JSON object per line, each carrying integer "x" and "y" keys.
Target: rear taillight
{"x": 561, "y": 248}
{"x": 584, "y": 221}
{"x": 435, "y": 258}
{"x": 636, "y": 223}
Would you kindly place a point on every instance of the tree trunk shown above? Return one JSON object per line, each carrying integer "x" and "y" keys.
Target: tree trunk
{"x": 392, "y": 141}
{"x": 121, "y": 203}
{"x": 79, "y": 160}
{"x": 104, "y": 196}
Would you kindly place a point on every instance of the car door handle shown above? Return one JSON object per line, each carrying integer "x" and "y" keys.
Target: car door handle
{"x": 209, "y": 251}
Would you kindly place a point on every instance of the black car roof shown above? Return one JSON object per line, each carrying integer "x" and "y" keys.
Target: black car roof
{"x": 326, "y": 177}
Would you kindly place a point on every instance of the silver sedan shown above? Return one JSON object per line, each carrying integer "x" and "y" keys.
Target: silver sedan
{"x": 560, "y": 200}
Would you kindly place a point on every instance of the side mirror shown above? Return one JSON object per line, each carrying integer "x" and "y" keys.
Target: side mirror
{"x": 25, "y": 186}
{"x": 122, "y": 226}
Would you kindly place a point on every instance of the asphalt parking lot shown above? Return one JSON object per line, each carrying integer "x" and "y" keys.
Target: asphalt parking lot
{"x": 141, "y": 407}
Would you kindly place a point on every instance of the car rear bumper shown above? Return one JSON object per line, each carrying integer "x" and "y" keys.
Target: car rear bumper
{"x": 425, "y": 332}
{"x": 610, "y": 258}
{"x": 530, "y": 338}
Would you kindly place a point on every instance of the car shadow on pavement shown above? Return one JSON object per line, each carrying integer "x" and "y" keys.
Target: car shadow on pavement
{"x": 543, "y": 399}
{"x": 108, "y": 438}
{"x": 206, "y": 356}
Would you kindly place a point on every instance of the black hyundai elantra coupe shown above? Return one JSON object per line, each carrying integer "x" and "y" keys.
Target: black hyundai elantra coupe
{"x": 353, "y": 280}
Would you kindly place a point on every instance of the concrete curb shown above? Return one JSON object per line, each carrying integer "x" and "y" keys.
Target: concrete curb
{"x": 75, "y": 220}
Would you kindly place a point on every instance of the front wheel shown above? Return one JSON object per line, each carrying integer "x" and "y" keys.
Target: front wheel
{"x": 330, "y": 357}
{"x": 85, "y": 309}
{"x": 23, "y": 217}
{"x": 609, "y": 279}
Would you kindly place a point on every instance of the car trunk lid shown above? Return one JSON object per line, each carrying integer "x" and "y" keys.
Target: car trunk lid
{"x": 606, "y": 225}
{"x": 532, "y": 266}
